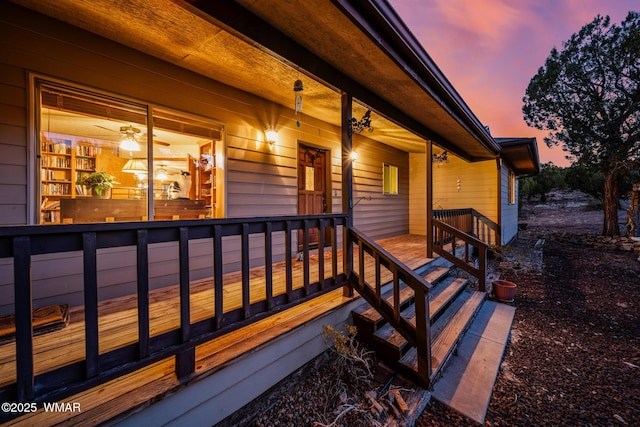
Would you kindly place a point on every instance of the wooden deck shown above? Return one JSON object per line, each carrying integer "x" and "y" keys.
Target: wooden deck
{"x": 118, "y": 327}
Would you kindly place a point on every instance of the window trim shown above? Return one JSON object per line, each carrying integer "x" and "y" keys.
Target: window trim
{"x": 386, "y": 169}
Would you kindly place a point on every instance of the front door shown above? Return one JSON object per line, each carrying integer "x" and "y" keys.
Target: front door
{"x": 311, "y": 186}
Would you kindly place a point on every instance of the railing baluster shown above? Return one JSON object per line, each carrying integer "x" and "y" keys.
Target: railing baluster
{"x": 246, "y": 301}
{"x": 423, "y": 340}
{"x": 142, "y": 267}
{"x": 89, "y": 245}
{"x": 185, "y": 359}
{"x": 185, "y": 306}
{"x": 396, "y": 293}
{"x": 288, "y": 258}
{"x": 378, "y": 279}
{"x": 23, "y": 308}
{"x": 361, "y": 261}
{"x": 268, "y": 264}
{"x": 334, "y": 249}
{"x": 217, "y": 276}
{"x": 321, "y": 230}
{"x": 305, "y": 256}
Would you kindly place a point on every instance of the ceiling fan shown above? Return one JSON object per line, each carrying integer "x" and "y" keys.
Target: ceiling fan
{"x": 133, "y": 133}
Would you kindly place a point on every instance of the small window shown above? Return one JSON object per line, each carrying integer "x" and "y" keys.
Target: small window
{"x": 512, "y": 187}
{"x": 390, "y": 179}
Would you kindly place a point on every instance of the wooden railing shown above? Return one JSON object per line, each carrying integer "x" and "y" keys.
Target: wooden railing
{"x": 466, "y": 250}
{"x": 471, "y": 222}
{"x": 23, "y": 243}
{"x": 417, "y": 335}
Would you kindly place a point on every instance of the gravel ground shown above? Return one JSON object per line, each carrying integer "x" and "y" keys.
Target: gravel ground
{"x": 573, "y": 359}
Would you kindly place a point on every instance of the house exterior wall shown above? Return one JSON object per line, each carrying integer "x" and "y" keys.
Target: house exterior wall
{"x": 260, "y": 180}
{"x": 478, "y": 186}
{"x": 509, "y": 211}
{"x": 376, "y": 214}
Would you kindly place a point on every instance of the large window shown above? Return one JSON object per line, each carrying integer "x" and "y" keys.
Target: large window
{"x": 103, "y": 159}
{"x": 390, "y": 179}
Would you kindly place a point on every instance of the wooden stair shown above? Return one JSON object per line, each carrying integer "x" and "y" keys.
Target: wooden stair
{"x": 453, "y": 308}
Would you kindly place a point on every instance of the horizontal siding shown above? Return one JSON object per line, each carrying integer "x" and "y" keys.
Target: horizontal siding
{"x": 478, "y": 186}
{"x": 376, "y": 214}
{"x": 509, "y": 222}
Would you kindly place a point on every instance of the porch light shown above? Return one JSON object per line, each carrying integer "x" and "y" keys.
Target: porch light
{"x": 129, "y": 134}
{"x": 354, "y": 156}
{"x": 271, "y": 136}
{"x": 135, "y": 166}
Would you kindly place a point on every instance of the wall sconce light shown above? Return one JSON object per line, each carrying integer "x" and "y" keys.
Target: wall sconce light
{"x": 271, "y": 136}
{"x": 129, "y": 134}
{"x": 439, "y": 159}
{"x": 354, "y": 156}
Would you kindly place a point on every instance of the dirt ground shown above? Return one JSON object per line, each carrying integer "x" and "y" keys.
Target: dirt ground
{"x": 574, "y": 355}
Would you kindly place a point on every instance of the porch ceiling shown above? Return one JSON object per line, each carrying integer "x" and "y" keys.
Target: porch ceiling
{"x": 325, "y": 39}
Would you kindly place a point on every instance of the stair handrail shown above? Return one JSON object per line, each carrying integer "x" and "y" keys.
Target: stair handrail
{"x": 445, "y": 235}
{"x": 419, "y": 335}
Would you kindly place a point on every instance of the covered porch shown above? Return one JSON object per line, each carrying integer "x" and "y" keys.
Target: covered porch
{"x": 257, "y": 305}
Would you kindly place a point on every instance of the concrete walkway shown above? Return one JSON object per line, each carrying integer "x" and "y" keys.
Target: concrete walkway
{"x": 467, "y": 382}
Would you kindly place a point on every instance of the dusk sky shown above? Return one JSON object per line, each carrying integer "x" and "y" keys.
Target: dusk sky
{"x": 490, "y": 49}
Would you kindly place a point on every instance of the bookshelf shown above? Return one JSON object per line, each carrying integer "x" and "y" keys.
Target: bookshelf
{"x": 62, "y": 162}
{"x": 207, "y": 178}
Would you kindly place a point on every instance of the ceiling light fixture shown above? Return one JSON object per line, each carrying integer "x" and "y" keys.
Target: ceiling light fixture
{"x": 129, "y": 135}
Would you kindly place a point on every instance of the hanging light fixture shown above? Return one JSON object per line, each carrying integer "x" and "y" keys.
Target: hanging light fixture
{"x": 129, "y": 135}
{"x": 162, "y": 174}
{"x": 135, "y": 166}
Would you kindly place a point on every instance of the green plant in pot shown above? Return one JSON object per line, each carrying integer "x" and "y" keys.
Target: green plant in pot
{"x": 98, "y": 182}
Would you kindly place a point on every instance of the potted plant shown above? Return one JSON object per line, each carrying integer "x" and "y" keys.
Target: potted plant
{"x": 99, "y": 183}
{"x": 504, "y": 290}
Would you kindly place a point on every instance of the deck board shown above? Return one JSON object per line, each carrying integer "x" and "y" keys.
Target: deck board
{"x": 118, "y": 327}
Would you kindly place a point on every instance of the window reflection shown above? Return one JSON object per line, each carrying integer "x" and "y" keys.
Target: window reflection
{"x": 94, "y": 165}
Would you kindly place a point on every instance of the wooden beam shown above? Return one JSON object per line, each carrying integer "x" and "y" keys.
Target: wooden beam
{"x": 429, "y": 199}
{"x": 347, "y": 185}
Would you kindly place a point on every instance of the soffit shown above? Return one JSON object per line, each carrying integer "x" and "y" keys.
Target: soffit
{"x": 522, "y": 153}
{"x": 171, "y": 31}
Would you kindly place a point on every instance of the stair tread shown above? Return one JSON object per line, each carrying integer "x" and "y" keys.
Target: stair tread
{"x": 389, "y": 335}
{"x": 366, "y": 311}
{"x": 436, "y": 275}
{"x": 467, "y": 382}
{"x": 444, "y": 343}
{"x": 444, "y": 296}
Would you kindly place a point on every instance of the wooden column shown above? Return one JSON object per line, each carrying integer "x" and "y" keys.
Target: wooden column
{"x": 347, "y": 186}
{"x": 429, "y": 199}
{"x": 498, "y": 235}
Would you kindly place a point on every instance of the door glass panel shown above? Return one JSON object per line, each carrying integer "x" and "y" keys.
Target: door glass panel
{"x": 310, "y": 178}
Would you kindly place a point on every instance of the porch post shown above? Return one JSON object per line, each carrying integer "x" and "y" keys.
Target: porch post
{"x": 347, "y": 188}
{"x": 429, "y": 190}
